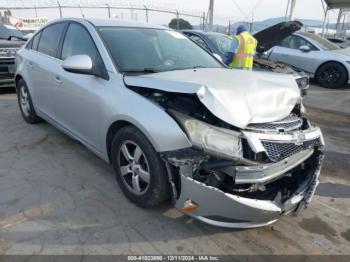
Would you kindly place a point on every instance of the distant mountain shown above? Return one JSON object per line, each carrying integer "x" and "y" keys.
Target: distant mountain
{"x": 306, "y": 22}
{"x": 260, "y": 25}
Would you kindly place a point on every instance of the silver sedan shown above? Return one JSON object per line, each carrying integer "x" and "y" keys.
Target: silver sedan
{"x": 228, "y": 147}
{"x": 319, "y": 58}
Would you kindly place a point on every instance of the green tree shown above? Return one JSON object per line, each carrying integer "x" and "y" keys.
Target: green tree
{"x": 183, "y": 24}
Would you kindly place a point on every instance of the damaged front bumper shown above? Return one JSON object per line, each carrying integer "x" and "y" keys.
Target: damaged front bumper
{"x": 268, "y": 190}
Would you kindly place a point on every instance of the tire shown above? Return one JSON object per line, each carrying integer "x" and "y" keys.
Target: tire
{"x": 332, "y": 75}
{"x": 132, "y": 157}
{"x": 25, "y": 103}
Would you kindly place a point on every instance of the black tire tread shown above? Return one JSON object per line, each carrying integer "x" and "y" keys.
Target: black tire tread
{"x": 32, "y": 118}
{"x": 341, "y": 83}
{"x": 158, "y": 190}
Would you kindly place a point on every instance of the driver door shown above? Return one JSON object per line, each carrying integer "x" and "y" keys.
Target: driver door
{"x": 77, "y": 97}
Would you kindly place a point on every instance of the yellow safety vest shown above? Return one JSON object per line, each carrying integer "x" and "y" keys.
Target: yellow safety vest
{"x": 246, "y": 50}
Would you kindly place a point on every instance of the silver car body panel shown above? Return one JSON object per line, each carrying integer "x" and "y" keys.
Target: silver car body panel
{"x": 77, "y": 103}
{"x": 312, "y": 60}
{"x": 238, "y": 97}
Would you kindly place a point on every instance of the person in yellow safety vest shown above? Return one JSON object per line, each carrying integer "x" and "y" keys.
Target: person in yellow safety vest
{"x": 242, "y": 50}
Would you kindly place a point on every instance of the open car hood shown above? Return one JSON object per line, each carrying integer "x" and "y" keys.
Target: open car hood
{"x": 272, "y": 35}
{"x": 238, "y": 97}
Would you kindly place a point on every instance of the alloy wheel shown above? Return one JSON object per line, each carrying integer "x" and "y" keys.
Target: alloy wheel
{"x": 24, "y": 101}
{"x": 331, "y": 75}
{"x": 134, "y": 168}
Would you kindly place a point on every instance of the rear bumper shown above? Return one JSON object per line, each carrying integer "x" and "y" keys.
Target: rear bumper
{"x": 219, "y": 208}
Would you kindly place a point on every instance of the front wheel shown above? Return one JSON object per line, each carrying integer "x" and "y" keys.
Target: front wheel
{"x": 332, "y": 75}
{"x": 140, "y": 172}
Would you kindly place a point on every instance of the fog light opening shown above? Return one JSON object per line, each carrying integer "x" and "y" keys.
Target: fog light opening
{"x": 189, "y": 206}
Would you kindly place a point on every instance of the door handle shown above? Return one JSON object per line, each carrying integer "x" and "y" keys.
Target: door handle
{"x": 58, "y": 79}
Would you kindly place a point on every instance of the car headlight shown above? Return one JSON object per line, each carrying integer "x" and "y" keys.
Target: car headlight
{"x": 303, "y": 82}
{"x": 210, "y": 138}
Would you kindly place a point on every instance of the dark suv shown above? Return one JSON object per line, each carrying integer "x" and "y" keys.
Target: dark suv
{"x": 11, "y": 40}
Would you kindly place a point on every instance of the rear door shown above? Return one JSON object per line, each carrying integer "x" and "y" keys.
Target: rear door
{"x": 288, "y": 51}
{"x": 77, "y": 97}
{"x": 43, "y": 64}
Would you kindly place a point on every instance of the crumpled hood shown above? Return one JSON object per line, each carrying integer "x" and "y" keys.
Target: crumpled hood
{"x": 11, "y": 43}
{"x": 271, "y": 36}
{"x": 238, "y": 97}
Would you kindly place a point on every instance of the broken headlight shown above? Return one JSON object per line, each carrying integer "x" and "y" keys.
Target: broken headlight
{"x": 210, "y": 138}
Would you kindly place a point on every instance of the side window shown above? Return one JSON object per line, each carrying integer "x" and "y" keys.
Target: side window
{"x": 286, "y": 42}
{"x": 199, "y": 41}
{"x": 302, "y": 42}
{"x": 35, "y": 42}
{"x": 29, "y": 44}
{"x": 295, "y": 42}
{"x": 78, "y": 42}
{"x": 50, "y": 38}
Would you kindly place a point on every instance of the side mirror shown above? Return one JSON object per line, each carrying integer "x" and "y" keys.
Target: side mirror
{"x": 80, "y": 64}
{"x": 304, "y": 48}
{"x": 218, "y": 57}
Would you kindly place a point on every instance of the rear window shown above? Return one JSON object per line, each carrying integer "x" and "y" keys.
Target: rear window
{"x": 50, "y": 38}
{"x": 322, "y": 42}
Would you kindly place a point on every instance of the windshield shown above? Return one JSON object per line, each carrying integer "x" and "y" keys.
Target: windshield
{"x": 143, "y": 49}
{"x": 222, "y": 42}
{"x": 7, "y": 31}
{"x": 322, "y": 42}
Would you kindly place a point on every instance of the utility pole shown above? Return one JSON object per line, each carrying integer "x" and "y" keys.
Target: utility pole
{"x": 211, "y": 15}
{"x": 338, "y": 26}
{"x": 292, "y": 8}
{"x": 109, "y": 10}
{"x": 286, "y": 15}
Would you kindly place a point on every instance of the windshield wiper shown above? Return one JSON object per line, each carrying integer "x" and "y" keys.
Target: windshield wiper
{"x": 187, "y": 68}
{"x": 141, "y": 71}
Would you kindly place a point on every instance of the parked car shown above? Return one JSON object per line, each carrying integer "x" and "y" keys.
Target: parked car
{"x": 319, "y": 58}
{"x": 11, "y": 40}
{"x": 220, "y": 44}
{"x": 342, "y": 43}
{"x": 229, "y": 147}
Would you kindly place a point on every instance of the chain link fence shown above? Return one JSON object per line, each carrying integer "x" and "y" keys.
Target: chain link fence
{"x": 146, "y": 12}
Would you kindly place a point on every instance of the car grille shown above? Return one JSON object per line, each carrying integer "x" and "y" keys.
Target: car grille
{"x": 279, "y": 151}
{"x": 287, "y": 124}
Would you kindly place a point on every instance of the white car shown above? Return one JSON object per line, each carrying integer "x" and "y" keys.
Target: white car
{"x": 319, "y": 58}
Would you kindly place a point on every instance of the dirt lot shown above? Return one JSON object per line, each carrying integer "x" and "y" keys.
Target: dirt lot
{"x": 56, "y": 197}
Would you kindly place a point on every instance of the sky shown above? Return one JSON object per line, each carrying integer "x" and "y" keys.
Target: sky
{"x": 224, "y": 10}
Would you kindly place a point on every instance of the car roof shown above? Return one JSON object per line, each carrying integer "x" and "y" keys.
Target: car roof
{"x": 112, "y": 22}
{"x": 201, "y": 32}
